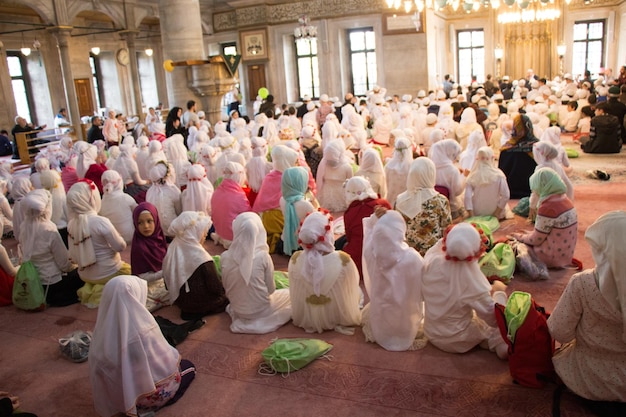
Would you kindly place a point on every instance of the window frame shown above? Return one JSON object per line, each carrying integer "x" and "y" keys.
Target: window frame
{"x": 25, "y": 77}
{"x": 368, "y": 84}
{"x": 587, "y": 40}
{"x": 97, "y": 74}
{"x": 471, "y": 49}
{"x": 315, "y": 88}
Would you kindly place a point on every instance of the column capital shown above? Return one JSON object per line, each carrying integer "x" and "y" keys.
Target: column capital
{"x": 61, "y": 33}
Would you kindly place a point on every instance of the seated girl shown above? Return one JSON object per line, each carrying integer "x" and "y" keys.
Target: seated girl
{"x": 516, "y": 160}
{"x": 164, "y": 194}
{"x": 88, "y": 165}
{"x": 458, "y": 300}
{"x": 362, "y": 201}
{"x": 117, "y": 206}
{"x": 94, "y": 244}
{"x": 589, "y": 319}
{"x": 197, "y": 195}
{"x": 323, "y": 283}
{"x": 444, "y": 154}
{"x": 41, "y": 244}
{"x": 371, "y": 167}
{"x": 21, "y": 187}
{"x": 397, "y": 169}
{"x": 133, "y": 184}
{"x": 293, "y": 205}
{"x": 189, "y": 271}
{"x": 546, "y": 155}
{"x": 127, "y": 341}
{"x": 147, "y": 252}
{"x": 553, "y": 240}
{"x": 267, "y": 202}
{"x": 228, "y": 201}
{"x": 425, "y": 211}
{"x": 51, "y": 181}
{"x": 258, "y": 167}
{"x": 486, "y": 190}
{"x": 392, "y": 277}
{"x": 256, "y": 306}
{"x": 7, "y": 277}
{"x": 333, "y": 170}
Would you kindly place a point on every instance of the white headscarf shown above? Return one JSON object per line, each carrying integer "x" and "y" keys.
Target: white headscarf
{"x": 51, "y": 181}
{"x": 112, "y": 182}
{"x": 86, "y": 157}
{"x": 83, "y": 201}
{"x": 283, "y": 157}
{"x": 371, "y": 167}
{"x": 392, "y": 275}
{"x": 402, "y": 155}
{"x": 125, "y": 163}
{"x": 484, "y": 172}
{"x": 21, "y": 187}
{"x": 468, "y": 116}
{"x": 607, "y": 238}
{"x": 358, "y": 188}
{"x": 128, "y": 353}
{"x": 475, "y": 141}
{"x": 235, "y": 172}
{"x": 420, "y": 187}
{"x": 317, "y": 239}
{"x": 197, "y": 195}
{"x": 185, "y": 254}
{"x": 37, "y": 209}
{"x": 249, "y": 238}
{"x": 258, "y": 167}
{"x": 445, "y": 153}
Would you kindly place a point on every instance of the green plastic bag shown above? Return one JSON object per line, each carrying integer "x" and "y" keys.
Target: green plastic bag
{"x": 217, "y": 260}
{"x": 490, "y": 221}
{"x": 571, "y": 153}
{"x": 281, "y": 279}
{"x": 486, "y": 231}
{"x": 287, "y": 355}
{"x": 498, "y": 263}
{"x": 523, "y": 207}
{"x": 515, "y": 312}
{"x": 28, "y": 292}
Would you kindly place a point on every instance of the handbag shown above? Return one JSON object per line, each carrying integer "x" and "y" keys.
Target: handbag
{"x": 28, "y": 293}
{"x": 499, "y": 263}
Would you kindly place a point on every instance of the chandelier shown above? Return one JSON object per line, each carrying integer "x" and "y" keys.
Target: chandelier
{"x": 512, "y": 11}
{"x": 305, "y": 31}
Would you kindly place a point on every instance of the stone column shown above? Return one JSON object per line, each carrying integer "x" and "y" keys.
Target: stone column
{"x": 181, "y": 35}
{"x": 130, "y": 36}
{"x": 62, "y": 34}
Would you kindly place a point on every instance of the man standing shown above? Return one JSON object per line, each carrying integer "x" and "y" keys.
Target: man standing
{"x": 110, "y": 131}
{"x": 190, "y": 118}
{"x": 95, "y": 131}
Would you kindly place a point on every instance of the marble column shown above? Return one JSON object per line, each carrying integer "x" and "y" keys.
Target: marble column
{"x": 181, "y": 36}
{"x": 130, "y": 36}
{"x": 62, "y": 34}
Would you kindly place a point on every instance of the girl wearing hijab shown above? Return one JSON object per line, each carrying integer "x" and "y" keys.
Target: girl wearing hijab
{"x": 51, "y": 181}
{"x": 142, "y": 156}
{"x": 589, "y": 319}
{"x": 323, "y": 283}
{"x": 258, "y": 167}
{"x": 458, "y": 300}
{"x": 114, "y": 153}
{"x": 208, "y": 158}
{"x": 392, "y": 276}
{"x": 467, "y": 125}
{"x": 228, "y": 201}
{"x": 256, "y": 306}
{"x": 132, "y": 368}
{"x": 164, "y": 194}
{"x": 468, "y": 156}
{"x": 545, "y": 154}
{"x": 41, "y": 165}
{"x": 189, "y": 271}
{"x": 267, "y": 202}
{"x": 117, "y": 206}
{"x": 371, "y": 167}
{"x": 333, "y": 170}
{"x": 133, "y": 184}
{"x": 444, "y": 154}
{"x": 362, "y": 201}
{"x": 516, "y": 160}
{"x": 486, "y": 190}
{"x": 42, "y": 245}
{"x": 155, "y": 155}
{"x": 197, "y": 195}
{"x": 7, "y": 277}
{"x": 294, "y": 205}
{"x": 553, "y": 136}
{"x": 425, "y": 211}
{"x": 176, "y": 152}
{"x": 397, "y": 169}
{"x": 94, "y": 244}
{"x": 147, "y": 252}
{"x": 553, "y": 240}
{"x": 6, "y": 212}
{"x": 21, "y": 187}
{"x": 88, "y": 167}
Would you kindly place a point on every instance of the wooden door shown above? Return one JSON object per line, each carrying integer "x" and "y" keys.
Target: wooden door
{"x": 84, "y": 95}
{"x": 256, "y": 80}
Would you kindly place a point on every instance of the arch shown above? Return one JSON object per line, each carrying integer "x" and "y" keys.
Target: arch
{"x": 44, "y": 9}
{"x": 113, "y": 12}
{"x": 146, "y": 16}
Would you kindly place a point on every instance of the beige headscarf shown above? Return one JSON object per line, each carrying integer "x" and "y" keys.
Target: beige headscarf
{"x": 607, "y": 238}
{"x": 420, "y": 187}
{"x": 83, "y": 201}
{"x": 249, "y": 238}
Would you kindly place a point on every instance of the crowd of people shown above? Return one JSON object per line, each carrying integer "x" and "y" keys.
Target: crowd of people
{"x": 311, "y": 183}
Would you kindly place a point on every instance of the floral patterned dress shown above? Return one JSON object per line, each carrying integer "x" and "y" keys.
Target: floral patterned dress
{"x": 163, "y": 392}
{"x": 427, "y": 227}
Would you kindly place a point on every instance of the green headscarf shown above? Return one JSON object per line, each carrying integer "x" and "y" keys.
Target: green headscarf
{"x": 294, "y": 184}
{"x": 546, "y": 182}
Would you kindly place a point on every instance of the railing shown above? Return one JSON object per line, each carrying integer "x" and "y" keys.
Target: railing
{"x": 30, "y": 143}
